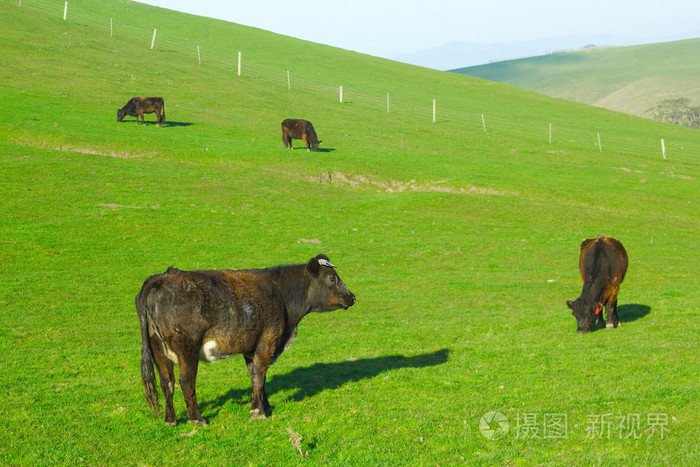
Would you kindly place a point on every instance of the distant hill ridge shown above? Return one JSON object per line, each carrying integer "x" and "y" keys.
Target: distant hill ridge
{"x": 631, "y": 79}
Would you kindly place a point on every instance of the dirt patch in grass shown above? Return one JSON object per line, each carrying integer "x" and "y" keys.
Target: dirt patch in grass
{"x": 118, "y": 206}
{"x": 96, "y": 152}
{"x": 398, "y": 186}
{"x": 669, "y": 174}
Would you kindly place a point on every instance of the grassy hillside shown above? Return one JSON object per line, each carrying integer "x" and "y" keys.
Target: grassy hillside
{"x": 627, "y": 79}
{"x": 460, "y": 244}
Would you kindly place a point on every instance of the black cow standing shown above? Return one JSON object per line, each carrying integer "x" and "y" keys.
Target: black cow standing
{"x": 299, "y": 129}
{"x": 602, "y": 265}
{"x": 137, "y": 106}
{"x": 187, "y": 316}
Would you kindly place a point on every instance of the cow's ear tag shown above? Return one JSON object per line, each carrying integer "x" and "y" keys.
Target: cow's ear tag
{"x": 597, "y": 310}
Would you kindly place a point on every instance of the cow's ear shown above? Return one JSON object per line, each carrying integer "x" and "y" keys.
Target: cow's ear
{"x": 320, "y": 142}
{"x": 570, "y": 304}
{"x": 313, "y": 267}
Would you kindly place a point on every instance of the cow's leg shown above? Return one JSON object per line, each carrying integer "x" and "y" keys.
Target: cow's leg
{"x": 159, "y": 121}
{"x": 306, "y": 142}
{"x": 287, "y": 141}
{"x": 599, "y": 322}
{"x": 613, "y": 319}
{"x": 189, "y": 359}
{"x": 167, "y": 382}
{"x": 257, "y": 367}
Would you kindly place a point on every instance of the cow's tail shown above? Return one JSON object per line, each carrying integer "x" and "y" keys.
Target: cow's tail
{"x": 163, "y": 110}
{"x": 285, "y": 132}
{"x": 147, "y": 372}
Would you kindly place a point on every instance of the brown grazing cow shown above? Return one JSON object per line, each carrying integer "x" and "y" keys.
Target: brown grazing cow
{"x": 602, "y": 265}
{"x": 299, "y": 129}
{"x": 137, "y": 106}
{"x": 187, "y": 316}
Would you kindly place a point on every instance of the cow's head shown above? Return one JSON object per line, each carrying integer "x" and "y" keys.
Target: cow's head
{"x": 327, "y": 291}
{"x": 121, "y": 113}
{"x": 315, "y": 145}
{"x": 585, "y": 313}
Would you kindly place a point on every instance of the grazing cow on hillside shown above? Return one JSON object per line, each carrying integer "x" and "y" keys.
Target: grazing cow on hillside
{"x": 187, "y": 316}
{"x": 602, "y": 264}
{"x": 137, "y": 106}
{"x": 299, "y": 129}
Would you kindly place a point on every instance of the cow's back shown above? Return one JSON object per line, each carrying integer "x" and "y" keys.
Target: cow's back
{"x": 233, "y": 307}
{"x": 176, "y": 298}
{"x": 293, "y": 127}
{"x": 603, "y": 255}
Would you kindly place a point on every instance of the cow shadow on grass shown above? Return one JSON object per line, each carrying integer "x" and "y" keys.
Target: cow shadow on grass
{"x": 165, "y": 124}
{"x": 320, "y": 149}
{"x": 632, "y": 312}
{"x": 169, "y": 123}
{"x": 309, "y": 381}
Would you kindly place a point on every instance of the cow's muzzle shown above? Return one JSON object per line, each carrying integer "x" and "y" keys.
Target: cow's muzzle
{"x": 349, "y": 301}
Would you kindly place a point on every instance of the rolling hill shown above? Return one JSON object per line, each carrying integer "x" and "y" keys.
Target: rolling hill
{"x": 629, "y": 79}
{"x": 458, "y": 236}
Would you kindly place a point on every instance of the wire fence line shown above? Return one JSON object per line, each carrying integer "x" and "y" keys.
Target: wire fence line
{"x": 598, "y": 140}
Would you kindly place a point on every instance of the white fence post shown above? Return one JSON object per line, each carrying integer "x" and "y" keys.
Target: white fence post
{"x": 483, "y": 122}
{"x": 199, "y": 57}
{"x": 663, "y": 148}
{"x": 289, "y": 82}
{"x": 239, "y": 64}
{"x": 600, "y": 148}
{"x": 153, "y": 41}
{"x": 65, "y": 10}
{"x": 341, "y": 94}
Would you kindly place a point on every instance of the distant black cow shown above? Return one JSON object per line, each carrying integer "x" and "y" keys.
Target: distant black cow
{"x": 137, "y": 106}
{"x": 299, "y": 129}
{"x": 602, "y": 264}
{"x": 187, "y": 316}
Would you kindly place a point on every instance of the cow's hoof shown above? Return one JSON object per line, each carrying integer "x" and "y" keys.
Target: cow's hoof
{"x": 610, "y": 325}
{"x": 173, "y": 423}
{"x": 257, "y": 414}
{"x": 200, "y": 423}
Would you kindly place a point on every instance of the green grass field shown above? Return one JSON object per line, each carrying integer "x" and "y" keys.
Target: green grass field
{"x": 460, "y": 244}
{"x": 630, "y": 79}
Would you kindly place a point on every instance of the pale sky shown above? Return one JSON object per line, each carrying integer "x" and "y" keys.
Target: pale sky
{"x": 387, "y": 28}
